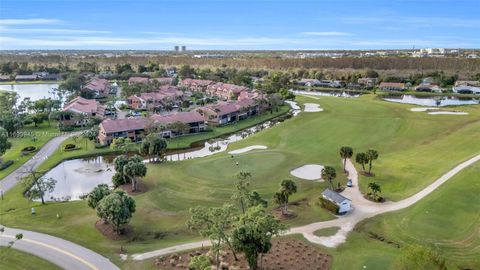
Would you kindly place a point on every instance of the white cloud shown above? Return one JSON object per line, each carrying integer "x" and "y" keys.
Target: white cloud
{"x": 331, "y": 34}
{"x": 29, "y": 21}
{"x": 50, "y": 31}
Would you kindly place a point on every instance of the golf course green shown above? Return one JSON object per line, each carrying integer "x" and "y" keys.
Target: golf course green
{"x": 414, "y": 149}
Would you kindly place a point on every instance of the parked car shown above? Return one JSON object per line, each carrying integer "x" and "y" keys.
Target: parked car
{"x": 349, "y": 183}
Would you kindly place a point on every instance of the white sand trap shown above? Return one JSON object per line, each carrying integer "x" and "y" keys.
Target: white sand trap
{"x": 451, "y": 113}
{"x": 308, "y": 172}
{"x": 246, "y": 149}
{"x": 424, "y": 109}
{"x": 312, "y": 107}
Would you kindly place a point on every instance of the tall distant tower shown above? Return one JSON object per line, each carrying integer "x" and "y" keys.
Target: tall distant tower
{"x": 176, "y": 48}
{"x": 184, "y": 48}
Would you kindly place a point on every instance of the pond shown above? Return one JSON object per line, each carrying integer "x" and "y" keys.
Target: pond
{"x": 432, "y": 101}
{"x": 33, "y": 91}
{"x": 346, "y": 94}
{"x": 78, "y": 177}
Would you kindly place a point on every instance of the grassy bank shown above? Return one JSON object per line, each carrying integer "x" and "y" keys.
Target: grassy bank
{"x": 415, "y": 149}
{"x": 43, "y": 133}
{"x": 446, "y": 221}
{"x": 31, "y": 82}
{"x": 13, "y": 259}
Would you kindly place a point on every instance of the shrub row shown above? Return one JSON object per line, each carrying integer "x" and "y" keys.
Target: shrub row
{"x": 330, "y": 206}
{"x": 6, "y": 164}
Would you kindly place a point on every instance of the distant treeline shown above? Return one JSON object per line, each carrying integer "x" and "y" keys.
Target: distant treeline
{"x": 452, "y": 65}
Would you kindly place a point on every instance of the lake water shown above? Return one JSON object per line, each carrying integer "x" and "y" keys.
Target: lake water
{"x": 432, "y": 101}
{"x": 33, "y": 91}
{"x": 346, "y": 94}
{"x": 78, "y": 177}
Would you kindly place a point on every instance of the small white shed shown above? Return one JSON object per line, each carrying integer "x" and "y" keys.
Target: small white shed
{"x": 342, "y": 202}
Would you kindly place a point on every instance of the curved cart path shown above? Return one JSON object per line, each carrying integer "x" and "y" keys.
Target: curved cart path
{"x": 63, "y": 253}
{"x": 363, "y": 209}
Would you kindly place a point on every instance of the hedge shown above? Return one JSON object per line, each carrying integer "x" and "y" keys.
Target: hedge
{"x": 330, "y": 206}
{"x": 6, "y": 164}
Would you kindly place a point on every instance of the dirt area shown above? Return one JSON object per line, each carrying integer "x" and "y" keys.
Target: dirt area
{"x": 287, "y": 253}
{"x": 107, "y": 230}
{"x": 141, "y": 188}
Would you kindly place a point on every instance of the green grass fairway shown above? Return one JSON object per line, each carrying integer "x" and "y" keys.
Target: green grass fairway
{"x": 415, "y": 149}
{"x": 448, "y": 221}
{"x": 13, "y": 259}
{"x": 327, "y": 231}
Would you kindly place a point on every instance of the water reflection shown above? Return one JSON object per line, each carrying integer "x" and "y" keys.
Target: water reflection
{"x": 432, "y": 101}
{"x": 78, "y": 177}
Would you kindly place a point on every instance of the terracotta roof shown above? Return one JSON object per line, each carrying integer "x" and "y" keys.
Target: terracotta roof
{"x": 120, "y": 125}
{"x": 163, "y": 80}
{"x": 193, "y": 82}
{"x": 226, "y": 87}
{"x": 83, "y": 105}
{"x": 99, "y": 85}
{"x": 392, "y": 84}
{"x": 184, "y": 117}
{"x": 133, "y": 80}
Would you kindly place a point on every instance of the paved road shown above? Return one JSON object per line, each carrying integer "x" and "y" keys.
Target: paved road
{"x": 63, "y": 253}
{"x": 51, "y": 146}
{"x": 363, "y": 209}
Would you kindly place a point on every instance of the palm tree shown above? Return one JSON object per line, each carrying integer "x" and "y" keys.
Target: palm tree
{"x": 371, "y": 156}
{"x": 346, "y": 152}
{"x": 361, "y": 158}
{"x": 375, "y": 188}
{"x": 329, "y": 174}
{"x": 287, "y": 188}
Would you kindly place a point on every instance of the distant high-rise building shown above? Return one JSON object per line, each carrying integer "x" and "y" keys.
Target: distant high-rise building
{"x": 184, "y": 48}
{"x": 176, "y": 48}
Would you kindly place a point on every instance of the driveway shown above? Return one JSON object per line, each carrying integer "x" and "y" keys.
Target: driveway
{"x": 363, "y": 209}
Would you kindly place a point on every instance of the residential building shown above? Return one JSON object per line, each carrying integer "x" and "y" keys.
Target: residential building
{"x": 392, "y": 86}
{"x": 134, "y": 128}
{"x": 428, "y": 87}
{"x": 195, "y": 85}
{"x": 122, "y": 128}
{"x": 144, "y": 80}
{"x": 343, "y": 203}
{"x": 224, "y": 113}
{"x": 4, "y": 78}
{"x": 87, "y": 107}
{"x": 225, "y": 91}
{"x": 309, "y": 82}
{"x": 158, "y": 100}
{"x": 192, "y": 119}
{"x": 99, "y": 87}
{"x": 26, "y": 78}
{"x": 467, "y": 87}
{"x": 367, "y": 82}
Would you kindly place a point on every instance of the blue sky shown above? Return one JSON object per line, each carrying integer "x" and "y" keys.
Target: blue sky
{"x": 236, "y": 24}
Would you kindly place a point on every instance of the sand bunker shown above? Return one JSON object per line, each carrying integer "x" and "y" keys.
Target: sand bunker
{"x": 423, "y": 109}
{"x": 312, "y": 107}
{"x": 308, "y": 172}
{"x": 451, "y": 113}
{"x": 246, "y": 149}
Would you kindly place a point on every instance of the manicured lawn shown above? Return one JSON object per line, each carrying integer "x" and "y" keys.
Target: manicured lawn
{"x": 327, "y": 231}
{"x": 448, "y": 221}
{"x": 13, "y": 259}
{"x": 415, "y": 149}
{"x": 43, "y": 134}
